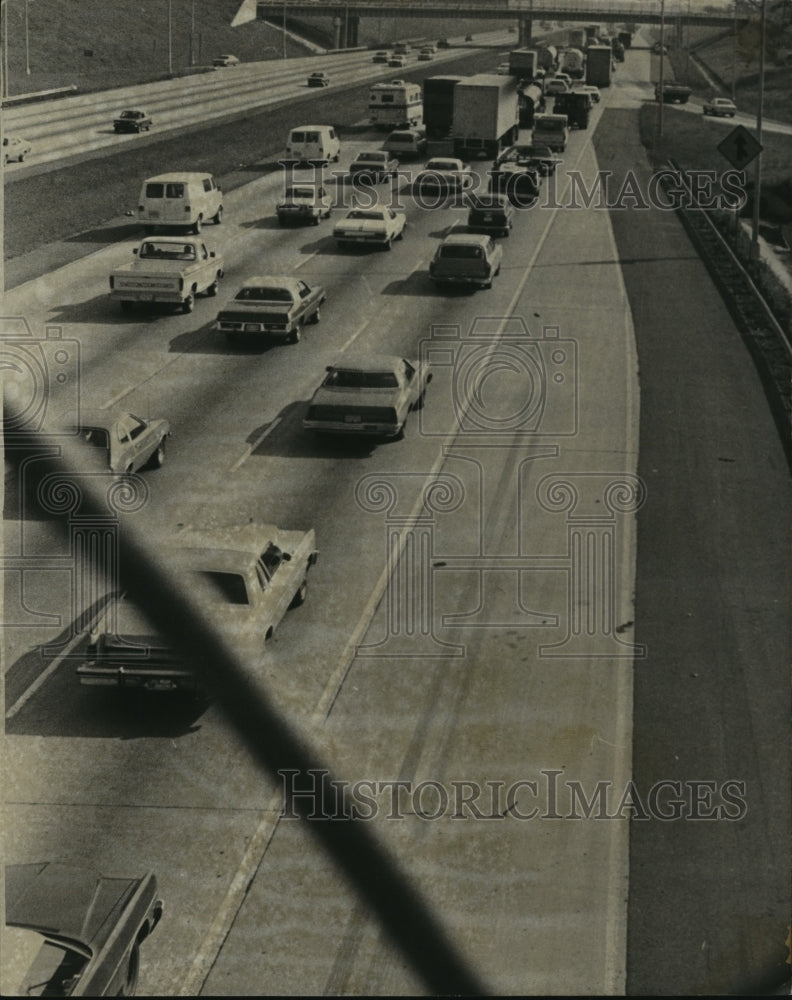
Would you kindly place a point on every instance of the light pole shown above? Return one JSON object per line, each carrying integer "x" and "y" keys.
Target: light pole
{"x": 759, "y": 116}
{"x": 27, "y": 41}
{"x": 170, "y": 37}
{"x": 283, "y": 32}
{"x": 192, "y": 33}
{"x": 662, "y": 58}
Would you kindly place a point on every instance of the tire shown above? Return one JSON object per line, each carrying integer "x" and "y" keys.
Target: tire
{"x": 316, "y": 316}
{"x": 315, "y": 220}
{"x": 300, "y": 595}
{"x": 211, "y": 291}
{"x": 294, "y": 336}
{"x": 419, "y": 403}
{"x": 189, "y": 303}
{"x": 197, "y": 225}
{"x": 217, "y": 218}
{"x": 388, "y": 244}
{"x": 158, "y": 458}
{"x": 129, "y": 984}
{"x": 400, "y": 235}
{"x": 22, "y": 156}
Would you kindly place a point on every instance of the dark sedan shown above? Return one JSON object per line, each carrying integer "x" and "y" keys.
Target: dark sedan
{"x": 71, "y": 931}
{"x": 132, "y": 120}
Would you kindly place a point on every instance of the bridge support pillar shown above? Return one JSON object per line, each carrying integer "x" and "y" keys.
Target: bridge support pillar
{"x": 679, "y": 34}
{"x": 524, "y": 31}
{"x": 353, "y": 30}
{"x": 336, "y": 32}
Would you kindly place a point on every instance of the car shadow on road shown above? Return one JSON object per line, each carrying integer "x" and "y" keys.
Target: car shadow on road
{"x": 206, "y": 340}
{"x": 285, "y": 437}
{"x": 109, "y": 234}
{"x": 267, "y": 222}
{"x": 419, "y": 283}
{"x": 104, "y": 310}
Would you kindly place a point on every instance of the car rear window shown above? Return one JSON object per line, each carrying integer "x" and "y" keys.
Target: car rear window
{"x": 264, "y": 295}
{"x": 159, "y": 190}
{"x": 455, "y": 252}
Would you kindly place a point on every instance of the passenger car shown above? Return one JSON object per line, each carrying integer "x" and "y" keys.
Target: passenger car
{"x": 590, "y": 89}
{"x": 378, "y": 225}
{"x": 368, "y": 396}
{"x": 244, "y": 578}
{"x": 445, "y": 173}
{"x": 397, "y": 59}
{"x": 556, "y": 86}
{"x": 443, "y": 43}
{"x": 72, "y": 931}
{"x": 425, "y": 54}
{"x": 490, "y": 213}
{"x": 271, "y": 305}
{"x": 406, "y": 142}
{"x": 167, "y": 269}
{"x": 381, "y": 57}
{"x": 720, "y": 106}
{"x": 225, "y": 60}
{"x": 304, "y": 201}
{"x": 319, "y": 79}
{"x": 132, "y": 120}
{"x": 673, "y": 93}
{"x": 125, "y": 443}
{"x": 377, "y": 164}
{"x": 514, "y": 176}
{"x": 467, "y": 259}
{"x": 533, "y": 156}
{"x": 15, "y": 148}
{"x": 503, "y": 69}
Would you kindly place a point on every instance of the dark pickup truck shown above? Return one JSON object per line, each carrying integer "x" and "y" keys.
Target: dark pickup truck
{"x": 673, "y": 93}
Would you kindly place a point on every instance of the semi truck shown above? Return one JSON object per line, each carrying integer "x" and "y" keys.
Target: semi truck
{"x": 523, "y": 63}
{"x": 625, "y": 37}
{"x": 576, "y": 39}
{"x": 547, "y": 57}
{"x": 598, "y": 65}
{"x": 438, "y": 112}
{"x": 573, "y": 62}
{"x": 486, "y": 115}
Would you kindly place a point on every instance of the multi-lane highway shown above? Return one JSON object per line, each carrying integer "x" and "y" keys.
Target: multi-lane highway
{"x": 489, "y": 669}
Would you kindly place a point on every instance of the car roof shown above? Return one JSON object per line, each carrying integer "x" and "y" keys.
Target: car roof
{"x": 467, "y": 238}
{"x": 229, "y": 548}
{"x": 306, "y": 128}
{"x": 272, "y": 281}
{"x": 369, "y": 363}
{"x": 186, "y": 175}
{"x": 102, "y": 418}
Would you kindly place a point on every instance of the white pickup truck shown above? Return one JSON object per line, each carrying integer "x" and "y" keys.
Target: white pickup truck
{"x": 167, "y": 269}
{"x": 244, "y": 578}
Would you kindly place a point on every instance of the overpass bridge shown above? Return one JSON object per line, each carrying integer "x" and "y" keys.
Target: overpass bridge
{"x": 346, "y": 14}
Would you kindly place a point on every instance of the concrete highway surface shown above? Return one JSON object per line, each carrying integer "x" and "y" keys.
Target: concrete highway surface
{"x": 499, "y": 599}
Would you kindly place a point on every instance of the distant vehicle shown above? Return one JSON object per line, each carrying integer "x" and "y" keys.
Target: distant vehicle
{"x": 576, "y": 105}
{"x": 468, "y": 38}
{"x": 381, "y": 57}
{"x": 486, "y": 115}
{"x": 720, "y": 107}
{"x": 425, "y": 54}
{"x": 445, "y": 173}
{"x": 132, "y": 120}
{"x": 72, "y": 931}
{"x": 397, "y": 60}
{"x": 368, "y": 396}
{"x": 15, "y": 148}
{"x": 599, "y": 65}
{"x": 378, "y": 226}
{"x": 657, "y": 48}
{"x": 302, "y": 202}
{"x": 443, "y": 43}
{"x": 376, "y": 164}
{"x": 226, "y": 60}
{"x": 406, "y": 142}
{"x": 170, "y": 270}
{"x": 313, "y": 144}
{"x": 401, "y": 48}
{"x": 127, "y": 443}
{"x": 565, "y": 77}
{"x": 244, "y": 578}
{"x": 514, "y": 176}
{"x": 319, "y": 79}
{"x": 276, "y": 306}
{"x": 180, "y": 200}
{"x": 591, "y": 90}
{"x": 490, "y": 213}
{"x": 552, "y": 131}
{"x": 556, "y": 86}
{"x": 533, "y": 156}
{"x": 502, "y": 69}
{"x": 673, "y": 93}
{"x": 466, "y": 259}
{"x": 398, "y": 103}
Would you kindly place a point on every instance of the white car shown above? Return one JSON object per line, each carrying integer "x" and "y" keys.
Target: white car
{"x": 304, "y": 202}
{"x": 556, "y": 86}
{"x": 503, "y": 69}
{"x": 15, "y": 148}
{"x": 445, "y": 173}
{"x": 225, "y": 60}
{"x": 720, "y": 106}
{"x": 379, "y": 225}
{"x": 590, "y": 89}
{"x": 368, "y": 396}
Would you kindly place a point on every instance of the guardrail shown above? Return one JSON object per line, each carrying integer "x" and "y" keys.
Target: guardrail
{"x": 40, "y": 95}
{"x": 760, "y": 306}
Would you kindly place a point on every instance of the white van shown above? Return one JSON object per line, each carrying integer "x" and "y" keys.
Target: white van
{"x": 313, "y": 144}
{"x": 180, "y": 200}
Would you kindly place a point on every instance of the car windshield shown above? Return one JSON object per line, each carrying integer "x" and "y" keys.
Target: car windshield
{"x": 228, "y": 587}
{"x": 130, "y": 114}
{"x": 371, "y": 157}
{"x": 345, "y": 379}
{"x": 262, "y": 294}
{"x": 362, "y": 213}
{"x": 442, "y": 165}
{"x": 95, "y": 436}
